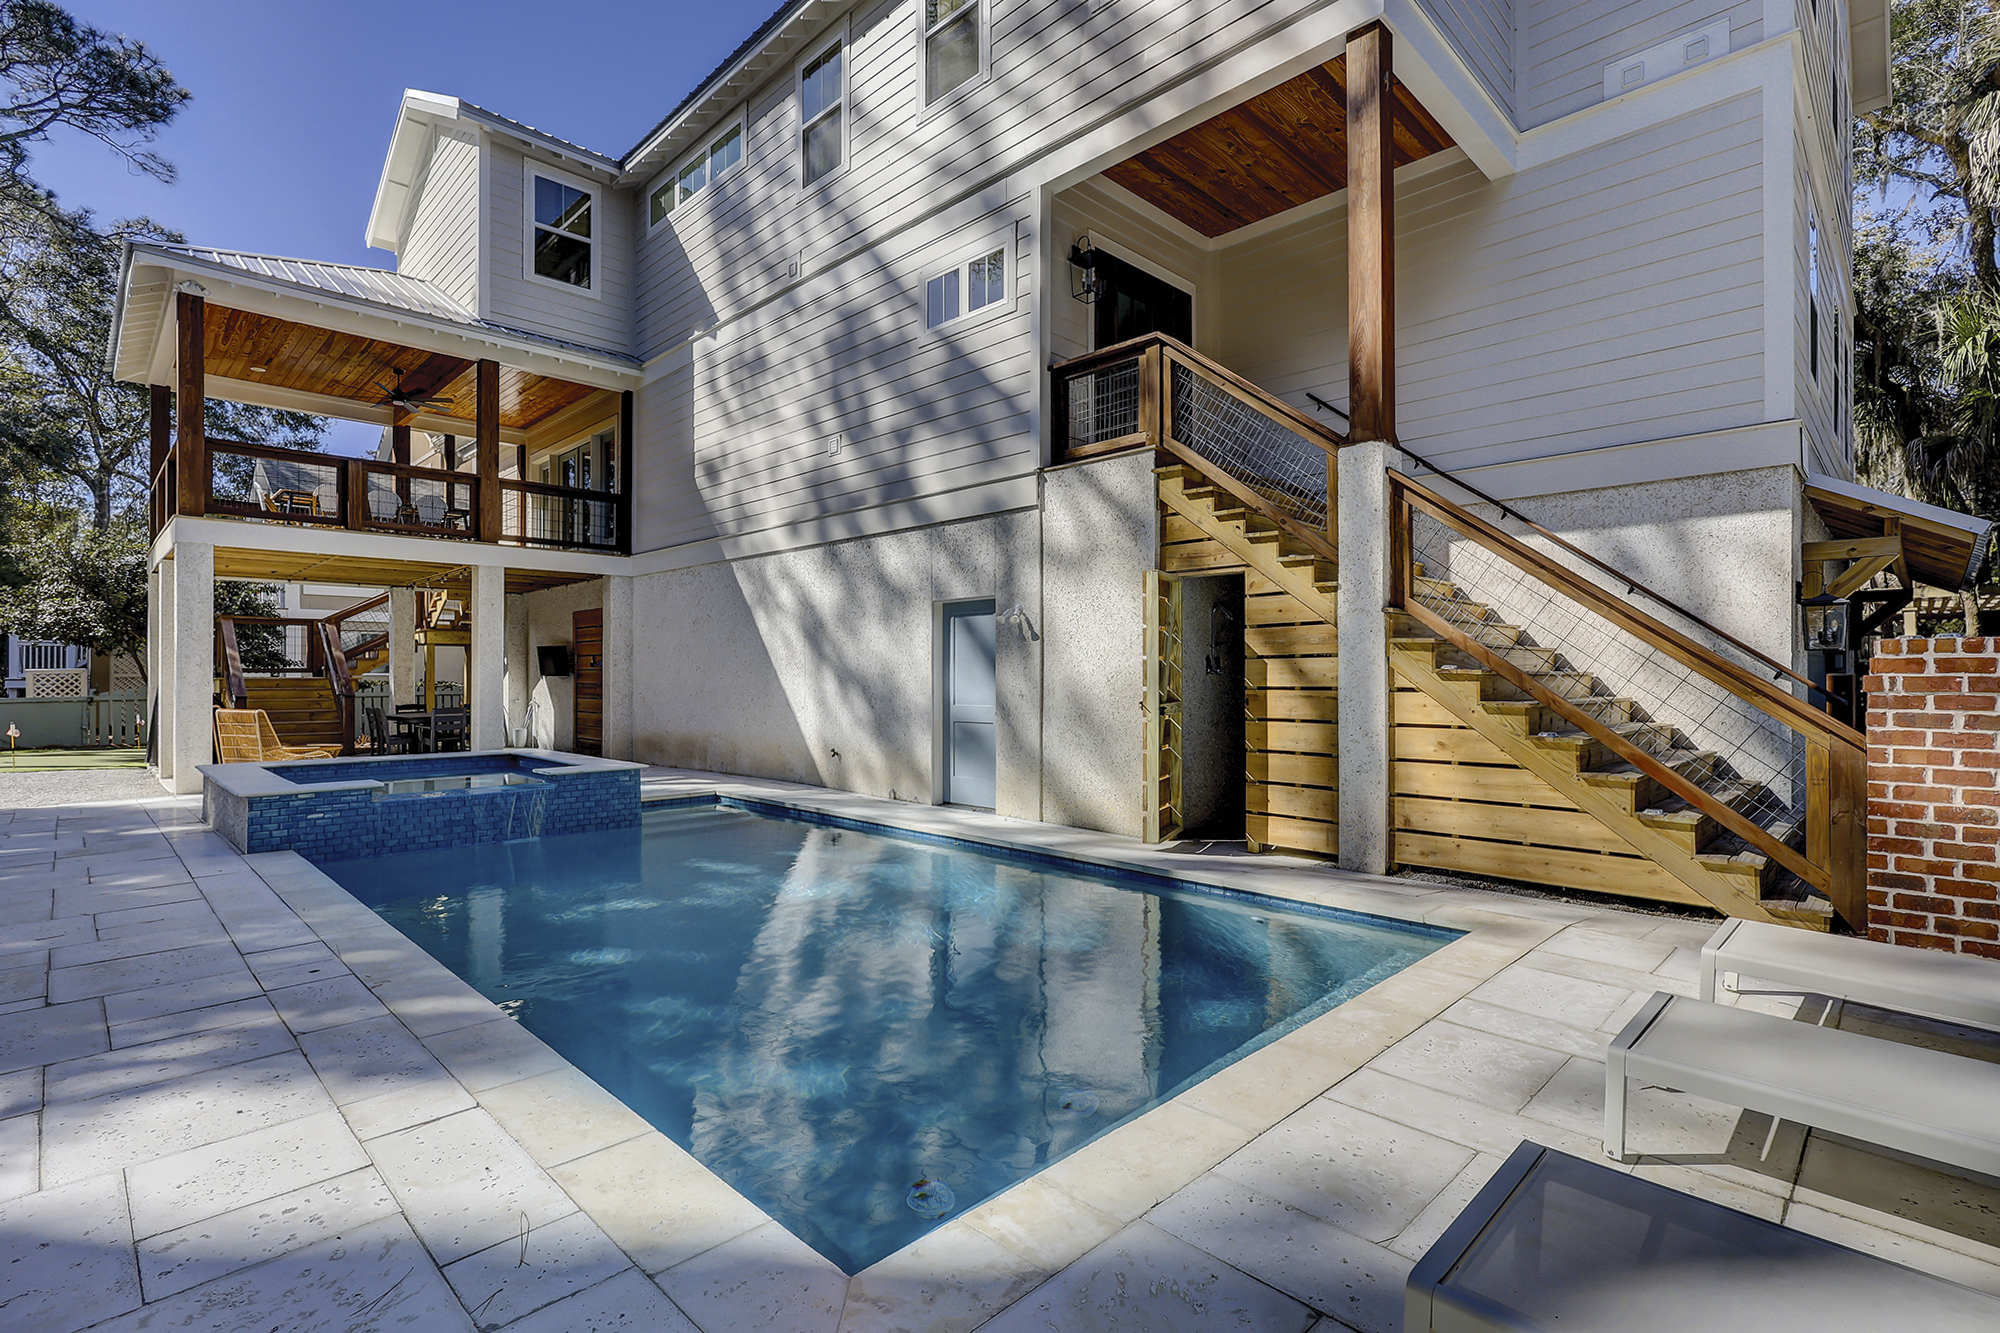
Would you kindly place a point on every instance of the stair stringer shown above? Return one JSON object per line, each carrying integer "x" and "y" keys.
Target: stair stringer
{"x": 1416, "y": 665}
{"x": 1316, "y": 597}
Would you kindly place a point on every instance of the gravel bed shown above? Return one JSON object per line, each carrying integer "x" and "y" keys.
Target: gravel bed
{"x": 76, "y": 787}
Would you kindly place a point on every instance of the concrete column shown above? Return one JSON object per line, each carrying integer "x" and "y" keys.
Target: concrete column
{"x": 193, "y": 597}
{"x": 486, "y": 660}
{"x": 403, "y": 645}
{"x": 160, "y": 666}
{"x": 517, "y": 663}
{"x": 618, "y": 737}
{"x": 1365, "y": 679}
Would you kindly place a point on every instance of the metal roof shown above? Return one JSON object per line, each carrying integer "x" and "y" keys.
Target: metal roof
{"x": 374, "y": 287}
{"x": 749, "y": 44}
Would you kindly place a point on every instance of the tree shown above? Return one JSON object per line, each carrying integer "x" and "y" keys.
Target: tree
{"x": 84, "y": 585}
{"x": 60, "y": 409}
{"x": 55, "y": 72}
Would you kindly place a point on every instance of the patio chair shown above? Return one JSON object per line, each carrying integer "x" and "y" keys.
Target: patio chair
{"x": 1557, "y": 1243}
{"x": 1961, "y": 988}
{"x": 245, "y": 736}
{"x": 450, "y": 728}
{"x": 1915, "y": 1100}
{"x": 430, "y": 510}
{"x": 380, "y": 741}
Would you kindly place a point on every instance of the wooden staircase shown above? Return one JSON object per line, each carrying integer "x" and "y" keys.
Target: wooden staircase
{"x": 1710, "y": 865}
{"x": 303, "y": 709}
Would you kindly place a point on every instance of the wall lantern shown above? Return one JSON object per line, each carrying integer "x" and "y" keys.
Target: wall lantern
{"x": 1825, "y": 623}
{"x": 1085, "y": 284}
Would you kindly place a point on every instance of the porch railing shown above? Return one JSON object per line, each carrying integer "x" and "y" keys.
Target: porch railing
{"x": 1158, "y": 392}
{"x": 248, "y": 646}
{"x": 269, "y": 484}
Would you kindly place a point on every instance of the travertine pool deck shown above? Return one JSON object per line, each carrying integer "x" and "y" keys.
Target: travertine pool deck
{"x": 232, "y": 1098}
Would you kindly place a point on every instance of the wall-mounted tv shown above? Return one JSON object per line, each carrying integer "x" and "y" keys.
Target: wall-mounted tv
{"x": 555, "y": 659}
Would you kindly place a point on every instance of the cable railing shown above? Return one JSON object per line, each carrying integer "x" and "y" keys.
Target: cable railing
{"x": 539, "y": 514}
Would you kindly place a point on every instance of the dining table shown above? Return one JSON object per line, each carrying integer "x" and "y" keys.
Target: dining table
{"x": 414, "y": 726}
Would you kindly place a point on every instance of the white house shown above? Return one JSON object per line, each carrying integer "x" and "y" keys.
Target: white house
{"x": 760, "y": 416}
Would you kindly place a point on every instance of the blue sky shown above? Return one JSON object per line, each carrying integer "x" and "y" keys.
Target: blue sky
{"x": 280, "y": 148}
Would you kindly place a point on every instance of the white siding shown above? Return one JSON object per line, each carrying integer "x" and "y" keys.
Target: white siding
{"x": 735, "y": 438}
{"x": 442, "y": 244}
{"x": 1609, "y": 298}
{"x": 600, "y": 320}
{"x": 1482, "y": 32}
{"x": 1565, "y": 45}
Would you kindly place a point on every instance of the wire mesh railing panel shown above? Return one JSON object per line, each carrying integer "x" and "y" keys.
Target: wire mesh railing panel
{"x": 274, "y": 650}
{"x": 1103, "y": 405}
{"x": 282, "y": 488}
{"x": 559, "y": 520}
{"x": 441, "y": 504}
{"x": 1280, "y": 464}
{"x": 1726, "y": 746}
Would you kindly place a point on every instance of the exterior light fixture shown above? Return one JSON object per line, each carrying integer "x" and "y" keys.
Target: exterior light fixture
{"x": 1085, "y": 284}
{"x": 1829, "y": 667}
{"x": 1825, "y": 623}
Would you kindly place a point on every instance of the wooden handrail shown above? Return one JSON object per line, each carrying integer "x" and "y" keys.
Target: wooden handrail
{"x": 341, "y": 682}
{"x": 558, "y": 492}
{"x": 412, "y": 472}
{"x": 342, "y": 616}
{"x": 277, "y": 452}
{"x": 1132, "y": 349}
{"x": 1745, "y": 685}
{"x": 232, "y": 663}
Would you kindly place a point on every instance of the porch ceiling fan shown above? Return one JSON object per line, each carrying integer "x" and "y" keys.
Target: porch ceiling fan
{"x": 399, "y": 398}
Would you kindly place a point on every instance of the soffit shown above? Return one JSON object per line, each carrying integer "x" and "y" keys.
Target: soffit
{"x": 251, "y": 565}
{"x": 1944, "y": 548}
{"x": 1268, "y": 155}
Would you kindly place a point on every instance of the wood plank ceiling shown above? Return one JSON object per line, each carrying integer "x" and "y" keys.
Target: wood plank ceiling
{"x": 260, "y": 349}
{"x": 249, "y": 564}
{"x": 1262, "y": 157}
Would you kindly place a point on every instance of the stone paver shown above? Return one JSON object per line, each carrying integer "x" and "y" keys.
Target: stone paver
{"x": 228, "y": 1091}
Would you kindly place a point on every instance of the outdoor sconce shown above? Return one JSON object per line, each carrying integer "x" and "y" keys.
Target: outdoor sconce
{"x": 1825, "y": 623}
{"x": 1085, "y": 285}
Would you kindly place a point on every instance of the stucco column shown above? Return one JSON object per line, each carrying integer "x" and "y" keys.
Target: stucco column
{"x": 1364, "y": 698}
{"x": 486, "y": 659}
{"x": 517, "y": 663}
{"x": 192, "y": 577}
{"x": 618, "y": 667}
{"x": 160, "y": 666}
{"x": 403, "y": 645}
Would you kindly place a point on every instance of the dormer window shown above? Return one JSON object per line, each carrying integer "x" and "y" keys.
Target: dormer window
{"x": 698, "y": 172}
{"x": 561, "y": 218}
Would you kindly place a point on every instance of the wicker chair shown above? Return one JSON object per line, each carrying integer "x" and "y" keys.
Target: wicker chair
{"x": 245, "y": 736}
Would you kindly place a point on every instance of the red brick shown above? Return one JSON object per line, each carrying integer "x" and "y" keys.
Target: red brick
{"x": 1927, "y": 721}
{"x": 1881, "y": 699}
{"x": 1980, "y": 947}
{"x": 1983, "y": 684}
{"x": 1936, "y": 684}
{"x": 1887, "y": 881}
{"x": 1879, "y": 934}
{"x": 1917, "y": 865}
{"x": 1967, "y": 664}
{"x": 1977, "y": 930}
{"x": 1979, "y": 911}
{"x": 1923, "y": 758}
{"x": 1904, "y": 920}
{"x": 1979, "y": 758}
{"x": 1918, "y": 902}
{"x": 1963, "y": 738}
{"x": 1980, "y": 721}
{"x": 1984, "y": 874}
{"x": 1877, "y": 739}
{"x": 1972, "y": 779}
{"x": 1956, "y": 852}
{"x": 1919, "y": 829}
{"x": 1965, "y": 814}
{"x": 1976, "y": 837}
{"x": 1898, "y": 809}
{"x": 1924, "y": 941}
{"x": 1929, "y": 795}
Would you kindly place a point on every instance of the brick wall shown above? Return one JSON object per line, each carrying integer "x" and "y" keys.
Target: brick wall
{"x": 1933, "y": 802}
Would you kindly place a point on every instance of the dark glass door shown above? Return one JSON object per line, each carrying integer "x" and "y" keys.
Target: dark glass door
{"x": 1134, "y": 302}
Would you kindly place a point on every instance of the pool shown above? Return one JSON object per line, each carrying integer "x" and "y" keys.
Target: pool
{"x": 867, "y": 1032}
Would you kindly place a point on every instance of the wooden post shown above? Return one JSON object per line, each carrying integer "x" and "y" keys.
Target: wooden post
{"x": 160, "y": 402}
{"x": 399, "y": 438}
{"x": 486, "y": 446}
{"x": 354, "y": 482}
{"x": 1151, "y": 370}
{"x": 190, "y": 444}
{"x": 1847, "y": 819}
{"x": 626, "y": 445}
{"x": 1371, "y": 236}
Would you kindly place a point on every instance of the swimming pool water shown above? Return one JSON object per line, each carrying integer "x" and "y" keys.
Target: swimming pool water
{"x": 866, "y": 1033}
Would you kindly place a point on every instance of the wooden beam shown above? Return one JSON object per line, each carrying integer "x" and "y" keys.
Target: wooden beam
{"x": 190, "y": 443}
{"x": 1856, "y": 575}
{"x": 160, "y": 420}
{"x": 627, "y": 431}
{"x": 486, "y": 446}
{"x": 1371, "y": 236}
{"x": 1856, "y": 548}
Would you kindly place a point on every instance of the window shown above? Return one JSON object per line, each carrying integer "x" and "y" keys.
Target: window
{"x": 706, "y": 167}
{"x": 562, "y": 232}
{"x": 1812, "y": 290}
{"x": 821, "y": 127}
{"x": 951, "y": 45}
{"x": 973, "y": 285}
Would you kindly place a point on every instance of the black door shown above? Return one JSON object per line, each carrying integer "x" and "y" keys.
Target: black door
{"x": 1134, "y": 302}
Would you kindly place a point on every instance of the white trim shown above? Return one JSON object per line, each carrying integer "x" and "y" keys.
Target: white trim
{"x": 836, "y": 35}
{"x": 530, "y": 169}
{"x": 1676, "y": 458}
{"x": 738, "y": 122}
{"x": 981, "y": 19}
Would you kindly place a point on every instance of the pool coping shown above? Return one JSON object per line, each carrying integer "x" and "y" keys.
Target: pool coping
{"x": 250, "y": 780}
{"x": 993, "y": 1253}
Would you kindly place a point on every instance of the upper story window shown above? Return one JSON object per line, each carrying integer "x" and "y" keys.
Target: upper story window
{"x": 822, "y": 115}
{"x": 1812, "y": 291}
{"x": 699, "y": 171}
{"x": 976, "y": 284}
{"x": 951, "y": 45}
{"x": 559, "y": 210}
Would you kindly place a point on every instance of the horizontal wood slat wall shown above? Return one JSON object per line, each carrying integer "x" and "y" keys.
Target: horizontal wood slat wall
{"x": 1290, "y": 671}
{"x": 1460, "y": 804}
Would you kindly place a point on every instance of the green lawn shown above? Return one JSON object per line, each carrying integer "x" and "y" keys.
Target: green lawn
{"x": 60, "y": 760}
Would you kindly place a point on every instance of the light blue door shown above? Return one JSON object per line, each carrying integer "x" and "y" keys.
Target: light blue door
{"x": 968, "y": 702}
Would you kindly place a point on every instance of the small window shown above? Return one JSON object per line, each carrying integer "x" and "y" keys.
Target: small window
{"x": 705, "y": 168}
{"x": 951, "y": 45}
{"x": 972, "y": 286}
{"x": 562, "y": 232}
{"x": 1812, "y": 291}
{"x": 821, "y": 94}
